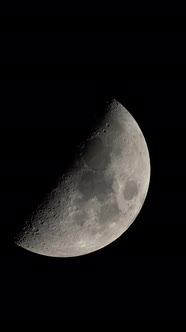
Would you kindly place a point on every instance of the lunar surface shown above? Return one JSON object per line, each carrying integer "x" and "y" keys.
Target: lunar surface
{"x": 99, "y": 197}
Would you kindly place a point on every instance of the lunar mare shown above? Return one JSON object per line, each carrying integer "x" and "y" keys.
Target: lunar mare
{"x": 100, "y": 196}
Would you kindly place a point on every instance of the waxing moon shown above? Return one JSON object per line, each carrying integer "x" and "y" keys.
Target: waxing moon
{"x": 99, "y": 197}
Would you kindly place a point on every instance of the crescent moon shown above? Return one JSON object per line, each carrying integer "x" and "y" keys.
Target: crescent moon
{"x": 99, "y": 197}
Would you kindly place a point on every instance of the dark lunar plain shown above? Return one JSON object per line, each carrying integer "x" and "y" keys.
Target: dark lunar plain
{"x": 54, "y": 83}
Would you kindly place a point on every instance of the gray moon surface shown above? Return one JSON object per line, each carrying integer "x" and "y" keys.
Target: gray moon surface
{"x": 99, "y": 197}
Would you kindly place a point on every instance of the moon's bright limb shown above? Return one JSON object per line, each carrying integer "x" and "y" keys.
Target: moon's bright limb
{"x": 100, "y": 196}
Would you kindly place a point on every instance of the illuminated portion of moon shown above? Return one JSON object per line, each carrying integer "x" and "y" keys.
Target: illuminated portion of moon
{"x": 100, "y": 197}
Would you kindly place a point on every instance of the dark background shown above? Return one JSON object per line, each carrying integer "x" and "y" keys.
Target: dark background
{"x": 56, "y": 73}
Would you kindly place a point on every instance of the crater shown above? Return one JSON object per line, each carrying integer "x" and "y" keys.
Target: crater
{"x": 131, "y": 190}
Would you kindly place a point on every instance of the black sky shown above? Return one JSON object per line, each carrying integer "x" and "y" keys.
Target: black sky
{"x": 56, "y": 74}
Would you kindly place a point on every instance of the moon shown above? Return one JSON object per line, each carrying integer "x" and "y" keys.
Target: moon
{"x": 99, "y": 197}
